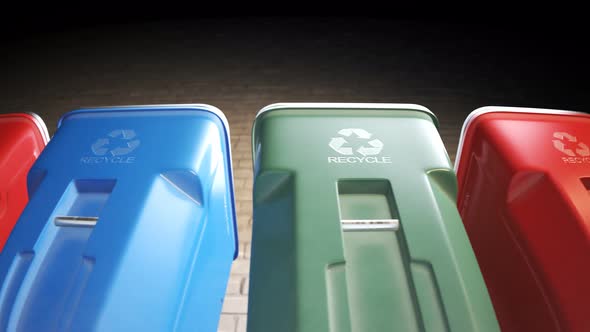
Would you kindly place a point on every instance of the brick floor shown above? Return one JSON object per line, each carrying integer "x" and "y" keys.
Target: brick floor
{"x": 241, "y": 66}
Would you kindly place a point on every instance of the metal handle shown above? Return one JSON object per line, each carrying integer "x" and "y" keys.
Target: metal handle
{"x": 370, "y": 225}
{"x": 75, "y": 221}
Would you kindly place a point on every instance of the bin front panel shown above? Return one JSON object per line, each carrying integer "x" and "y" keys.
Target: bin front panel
{"x": 356, "y": 227}
{"x": 131, "y": 225}
{"x": 22, "y": 138}
{"x": 524, "y": 198}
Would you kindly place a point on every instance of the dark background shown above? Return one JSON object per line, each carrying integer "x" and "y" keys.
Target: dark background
{"x": 58, "y": 62}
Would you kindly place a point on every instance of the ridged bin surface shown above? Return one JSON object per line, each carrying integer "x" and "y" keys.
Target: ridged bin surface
{"x": 524, "y": 180}
{"x": 311, "y": 271}
{"x": 158, "y": 181}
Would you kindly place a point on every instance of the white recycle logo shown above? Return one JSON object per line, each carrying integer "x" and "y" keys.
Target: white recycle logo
{"x": 582, "y": 149}
{"x": 372, "y": 147}
{"x": 119, "y": 143}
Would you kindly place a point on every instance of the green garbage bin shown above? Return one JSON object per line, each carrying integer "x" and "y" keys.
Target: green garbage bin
{"x": 356, "y": 226}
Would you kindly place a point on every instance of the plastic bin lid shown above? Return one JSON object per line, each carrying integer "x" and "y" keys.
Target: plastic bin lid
{"x": 188, "y": 107}
{"x": 504, "y": 109}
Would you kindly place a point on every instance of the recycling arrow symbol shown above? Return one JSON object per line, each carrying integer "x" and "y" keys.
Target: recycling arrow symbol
{"x": 581, "y": 148}
{"x": 121, "y": 140}
{"x": 337, "y": 143}
{"x": 372, "y": 147}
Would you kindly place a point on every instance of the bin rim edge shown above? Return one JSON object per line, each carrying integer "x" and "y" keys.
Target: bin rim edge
{"x": 148, "y": 107}
{"x": 322, "y": 105}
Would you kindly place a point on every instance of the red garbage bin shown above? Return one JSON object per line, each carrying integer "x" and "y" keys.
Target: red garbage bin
{"x": 22, "y": 137}
{"x": 524, "y": 197}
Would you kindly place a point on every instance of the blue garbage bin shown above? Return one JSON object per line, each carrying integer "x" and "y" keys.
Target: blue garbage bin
{"x": 130, "y": 225}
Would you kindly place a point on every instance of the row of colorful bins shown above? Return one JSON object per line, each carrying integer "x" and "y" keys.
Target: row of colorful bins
{"x": 359, "y": 223}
